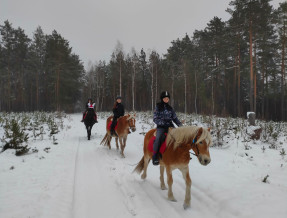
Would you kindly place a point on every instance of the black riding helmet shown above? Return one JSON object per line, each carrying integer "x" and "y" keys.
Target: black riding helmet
{"x": 164, "y": 94}
{"x": 118, "y": 97}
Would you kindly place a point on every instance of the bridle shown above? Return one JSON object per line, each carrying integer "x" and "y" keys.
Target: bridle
{"x": 194, "y": 142}
{"x": 131, "y": 121}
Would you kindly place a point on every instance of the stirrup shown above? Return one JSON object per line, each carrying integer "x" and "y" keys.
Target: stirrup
{"x": 113, "y": 133}
{"x": 155, "y": 159}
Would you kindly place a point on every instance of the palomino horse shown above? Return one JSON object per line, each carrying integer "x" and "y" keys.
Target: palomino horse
{"x": 124, "y": 123}
{"x": 176, "y": 156}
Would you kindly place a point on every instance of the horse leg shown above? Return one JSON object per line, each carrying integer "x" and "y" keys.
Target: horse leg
{"x": 109, "y": 141}
{"x": 169, "y": 182}
{"x": 117, "y": 142}
{"x": 124, "y": 140}
{"x": 185, "y": 174}
{"x": 122, "y": 146}
{"x": 162, "y": 184}
{"x": 146, "y": 162}
{"x": 89, "y": 134}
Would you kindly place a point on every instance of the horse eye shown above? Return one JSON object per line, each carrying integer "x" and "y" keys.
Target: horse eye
{"x": 200, "y": 142}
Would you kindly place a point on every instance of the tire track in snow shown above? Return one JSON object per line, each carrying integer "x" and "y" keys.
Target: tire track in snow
{"x": 95, "y": 192}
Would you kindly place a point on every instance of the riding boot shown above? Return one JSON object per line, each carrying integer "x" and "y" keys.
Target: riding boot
{"x": 113, "y": 133}
{"x": 155, "y": 159}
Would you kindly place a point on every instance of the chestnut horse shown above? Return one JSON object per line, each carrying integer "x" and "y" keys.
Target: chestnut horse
{"x": 123, "y": 125}
{"x": 179, "y": 142}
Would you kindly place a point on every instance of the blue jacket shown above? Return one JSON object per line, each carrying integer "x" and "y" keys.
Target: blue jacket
{"x": 164, "y": 115}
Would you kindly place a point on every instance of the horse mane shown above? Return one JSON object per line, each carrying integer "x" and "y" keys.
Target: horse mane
{"x": 127, "y": 116}
{"x": 185, "y": 135}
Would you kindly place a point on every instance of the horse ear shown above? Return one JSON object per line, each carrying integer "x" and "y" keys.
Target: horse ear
{"x": 209, "y": 129}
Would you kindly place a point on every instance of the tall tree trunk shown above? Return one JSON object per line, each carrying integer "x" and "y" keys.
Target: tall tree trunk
{"x": 156, "y": 84}
{"x": 234, "y": 88}
{"x": 195, "y": 99}
{"x": 255, "y": 85}
{"x": 133, "y": 86}
{"x": 263, "y": 92}
{"x": 185, "y": 87}
{"x": 57, "y": 88}
{"x": 283, "y": 73}
{"x": 151, "y": 87}
{"x": 37, "y": 90}
{"x": 120, "y": 77}
{"x": 266, "y": 110}
{"x": 9, "y": 89}
{"x": 238, "y": 83}
{"x": 251, "y": 67}
{"x": 172, "y": 86}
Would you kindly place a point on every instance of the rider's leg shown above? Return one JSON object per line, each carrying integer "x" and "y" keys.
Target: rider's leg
{"x": 83, "y": 116}
{"x": 113, "y": 125}
{"x": 156, "y": 145}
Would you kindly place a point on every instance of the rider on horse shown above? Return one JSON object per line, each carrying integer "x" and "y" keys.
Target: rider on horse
{"x": 90, "y": 106}
{"x": 118, "y": 111}
{"x": 163, "y": 117}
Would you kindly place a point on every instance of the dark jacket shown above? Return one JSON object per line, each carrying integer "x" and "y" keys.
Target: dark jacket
{"x": 164, "y": 115}
{"x": 119, "y": 110}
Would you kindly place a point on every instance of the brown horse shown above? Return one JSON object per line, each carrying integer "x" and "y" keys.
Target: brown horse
{"x": 176, "y": 156}
{"x": 124, "y": 123}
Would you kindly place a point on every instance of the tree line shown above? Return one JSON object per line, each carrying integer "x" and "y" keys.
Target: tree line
{"x": 38, "y": 74}
{"x": 228, "y": 68}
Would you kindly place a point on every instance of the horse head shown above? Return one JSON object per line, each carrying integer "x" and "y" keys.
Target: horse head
{"x": 200, "y": 145}
{"x": 132, "y": 122}
{"x": 197, "y": 138}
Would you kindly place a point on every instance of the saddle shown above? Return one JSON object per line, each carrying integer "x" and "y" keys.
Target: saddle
{"x": 94, "y": 115}
{"x": 162, "y": 146}
{"x": 110, "y": 123}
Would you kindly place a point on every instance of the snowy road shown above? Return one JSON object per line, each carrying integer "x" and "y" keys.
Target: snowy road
{"x": 83, "y": 179}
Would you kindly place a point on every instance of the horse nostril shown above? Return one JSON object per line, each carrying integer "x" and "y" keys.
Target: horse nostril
{"x": 206, "y": 161}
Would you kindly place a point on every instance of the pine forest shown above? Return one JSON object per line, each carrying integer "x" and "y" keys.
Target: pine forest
{"x": 227, "y": 69}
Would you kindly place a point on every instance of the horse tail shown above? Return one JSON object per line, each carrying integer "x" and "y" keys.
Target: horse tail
{"x": 105, "y": 140}
{"x": 139, "y": 168}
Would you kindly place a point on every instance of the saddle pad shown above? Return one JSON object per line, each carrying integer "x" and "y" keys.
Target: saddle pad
{"x": 150, "y": 145}
{"x": 109, "y": 125}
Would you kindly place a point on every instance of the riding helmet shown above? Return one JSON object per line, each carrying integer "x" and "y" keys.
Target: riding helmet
{"x": 164, "y": 94}
{"x": 118, "y": 97}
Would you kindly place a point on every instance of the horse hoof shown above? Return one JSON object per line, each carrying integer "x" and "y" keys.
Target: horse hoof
{"x": 186, "y": 206}
{"x": 163, "y": 187}
{"x": 143, "y": 176}
{"x": 172, "y": 199}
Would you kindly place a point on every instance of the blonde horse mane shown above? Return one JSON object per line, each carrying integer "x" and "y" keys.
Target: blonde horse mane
{"x": 131, "y": 116}
{"x": 185, "y": 135}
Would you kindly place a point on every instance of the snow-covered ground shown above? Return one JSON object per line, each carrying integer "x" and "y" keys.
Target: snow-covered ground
{"x": 83, "y": 179}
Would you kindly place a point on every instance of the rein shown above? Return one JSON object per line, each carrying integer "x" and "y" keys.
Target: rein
{"x": 194, "y": 142}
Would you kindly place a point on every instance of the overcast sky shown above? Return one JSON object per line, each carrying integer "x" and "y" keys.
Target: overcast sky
{"x": 93, "y": 27}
